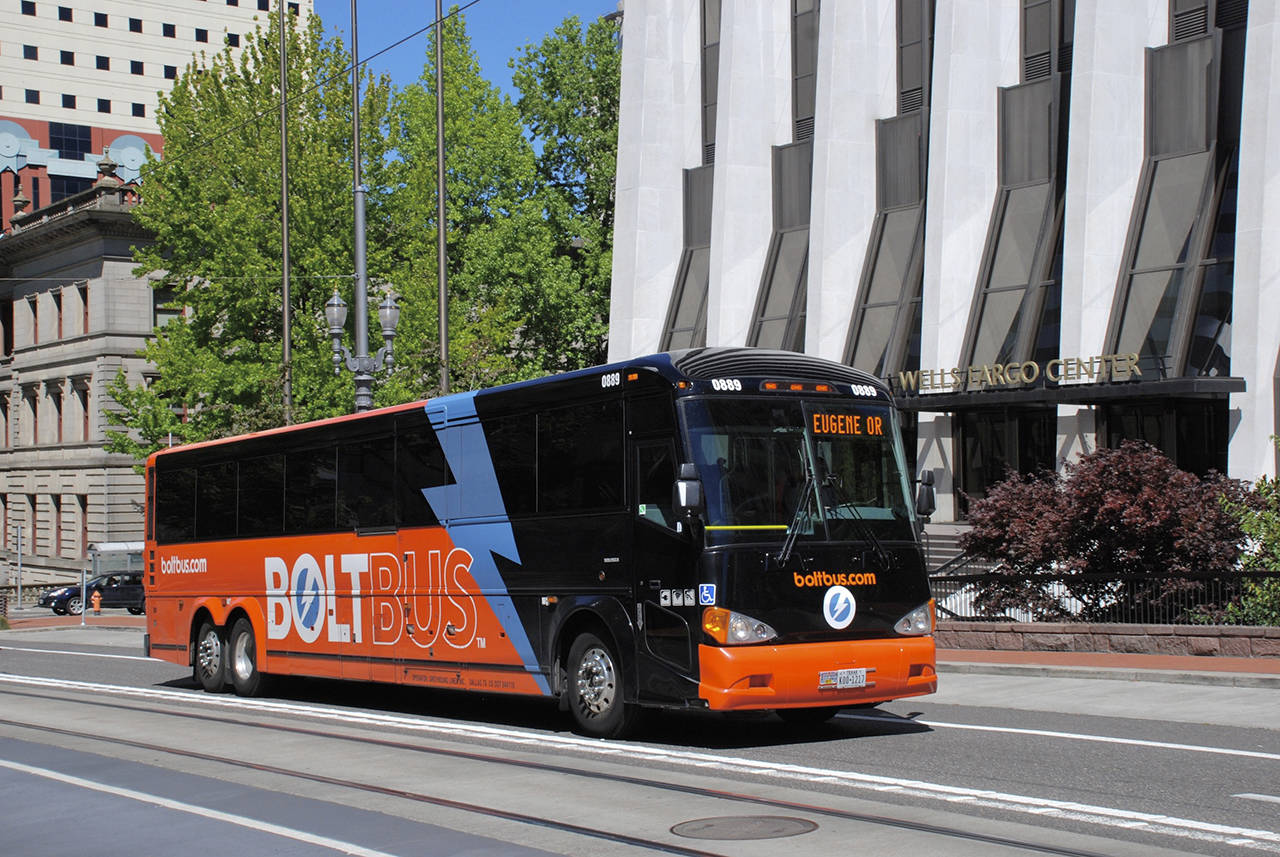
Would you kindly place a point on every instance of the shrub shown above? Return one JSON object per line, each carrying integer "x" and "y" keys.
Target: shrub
{"x": 1062, "y": 541}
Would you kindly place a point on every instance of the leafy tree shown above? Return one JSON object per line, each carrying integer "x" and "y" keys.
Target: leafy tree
{"x": 569, "y": 88}
{"x": 1259, "y": 518}
{"x": 1062, "y": 541}
{"x": 213, "y": 205}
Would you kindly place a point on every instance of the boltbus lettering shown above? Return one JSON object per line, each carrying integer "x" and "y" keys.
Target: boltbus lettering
{"x": 826, "y": 579}
{"x": 313, "y": 595}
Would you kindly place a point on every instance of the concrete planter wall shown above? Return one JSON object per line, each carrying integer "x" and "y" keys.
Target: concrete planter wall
{"x": 1209, "y": 640}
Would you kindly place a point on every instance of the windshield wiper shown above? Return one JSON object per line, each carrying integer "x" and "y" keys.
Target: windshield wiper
{"x": 831, "y": 482}
{"x": 802, "y": 507}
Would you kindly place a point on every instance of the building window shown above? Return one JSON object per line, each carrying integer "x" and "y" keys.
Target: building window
{"x": 202, "y": 35}
{"x": 64, "y": 13}
{"x": 30, "y": 52}
{"x": 61, "y": 187}
{"x": 72, "y": 142}
{"x": 104, "y": 63}
{"x": 33, "y": 97}
{"x": 135, "y": 67}
{"x": 233, "y": 39}
{"x": 104, "y": 105}
{"x": 170, "y": 72}
{"x": 710, "y": 76}
{"x": 28, "y": 7}
{"x": 233, "y": 2}
{"x": 888, "y": 272}
{"x": 99, "y": 19}
{"x": 170, "y": 31}
{"x": 264, "y": 5}
{"x": 804, "y": 66}
{"x": 293, "y": 8}
{"x": 139, "y": 110}
{"x": 686, "y": 325}
{"x": 84, "y": 307}
{"x": 135, "y": 25}
{"x": 68, "y": 58}
{"x": 781, "y": 303}
{"x": 69, "y": 101}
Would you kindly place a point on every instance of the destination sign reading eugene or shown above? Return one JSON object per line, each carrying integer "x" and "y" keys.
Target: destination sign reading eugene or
{"x": 848, "y": 424}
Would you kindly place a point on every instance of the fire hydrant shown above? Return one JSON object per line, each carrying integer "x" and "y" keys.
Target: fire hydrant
{"x": 96, "y": 598}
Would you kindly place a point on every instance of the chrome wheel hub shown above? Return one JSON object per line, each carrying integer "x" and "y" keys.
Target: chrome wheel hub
{"x": 242, "y": 657}
{"x": 597, "y": 681}
{"x": 209, "y": 654}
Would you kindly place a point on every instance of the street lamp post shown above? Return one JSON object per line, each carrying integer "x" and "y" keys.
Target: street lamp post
{"x": 335, "y": 313}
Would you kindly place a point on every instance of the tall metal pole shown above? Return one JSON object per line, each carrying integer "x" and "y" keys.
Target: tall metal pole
{"x": 364, "y": 379}
{"x": 284, "y": 219}
{"x": 442, "y": 276}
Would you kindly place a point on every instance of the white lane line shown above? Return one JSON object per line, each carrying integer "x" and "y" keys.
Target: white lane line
{"x": 1252, "y": 796}
{"x": 203, "y": 812}
{"x": 1267, "y": 840}
{"x": 81, "y": 654}
{"x": 1074, "y": 736}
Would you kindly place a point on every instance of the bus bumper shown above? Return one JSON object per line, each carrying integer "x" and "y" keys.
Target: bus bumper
{"x": 792, "y": 676}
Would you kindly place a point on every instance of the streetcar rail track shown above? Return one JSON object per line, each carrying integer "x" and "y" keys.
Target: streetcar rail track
{"x": 1234, "y": 836}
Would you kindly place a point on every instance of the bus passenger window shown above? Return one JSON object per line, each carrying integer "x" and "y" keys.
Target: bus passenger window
{"x": 365, "y": 473}
{"x": 580, "y": 462}
{"x": 175, "y": 504}
{"x": 216, "y": 501}
{"x": 310, "y": 490}
{"x": 261, "y": 505}
{"x": 420, "y": 463}
{"x": 655, "y": 476}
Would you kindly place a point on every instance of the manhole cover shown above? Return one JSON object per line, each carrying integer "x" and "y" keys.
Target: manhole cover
{"x": 743, "y": 827}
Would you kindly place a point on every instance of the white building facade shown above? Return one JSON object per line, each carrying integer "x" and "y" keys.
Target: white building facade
{"x": 1043, "y": 222}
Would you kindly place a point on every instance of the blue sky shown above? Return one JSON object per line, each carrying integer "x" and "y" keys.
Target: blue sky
{"x": 497, "y": 29}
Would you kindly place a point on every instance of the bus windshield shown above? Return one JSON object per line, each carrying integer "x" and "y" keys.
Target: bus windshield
{"x": 825, "y": 469}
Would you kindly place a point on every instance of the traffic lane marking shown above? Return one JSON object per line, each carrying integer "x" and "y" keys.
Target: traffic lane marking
{"x": 1186, "y": 828}
{"x": 1252, "y": 796}
{"x": 81, "y": 654}
{"x": 203, "y": 812}
{"x": 1074, "y": 736}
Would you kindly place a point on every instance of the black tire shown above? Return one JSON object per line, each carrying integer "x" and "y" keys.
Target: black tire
{"x": 137, "y": 611}
{"x": 807, "y": 718}
{"x": 242, "y": 660}
{"x": 595, "y": 689}
{"x": 59, "y": 610}
{"x": 210, "y": 668}
{"x": 75, "y": 606}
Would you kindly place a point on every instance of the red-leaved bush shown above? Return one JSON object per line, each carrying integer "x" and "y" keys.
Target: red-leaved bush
{"x": 1113, "y": 514}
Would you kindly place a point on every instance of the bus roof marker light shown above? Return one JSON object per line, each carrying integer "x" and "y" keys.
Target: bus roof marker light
{"x": 796, "y": 388}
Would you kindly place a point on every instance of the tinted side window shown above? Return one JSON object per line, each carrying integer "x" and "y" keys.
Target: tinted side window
{"x": 366, "y": 473}
{"x": 175, "y": 504}
{"x": 652, "y": 413}
{"x": 420, "y": 463}
{"x": 512, "y": 443}
{"x": 261, "y": 507}
{"x": 216, "y": 501}
{"x": 310, "y": 490}
{"x": 580, "y": 464}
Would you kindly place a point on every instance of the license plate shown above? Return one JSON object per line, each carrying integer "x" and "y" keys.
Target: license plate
{"x": 842, "y": 679}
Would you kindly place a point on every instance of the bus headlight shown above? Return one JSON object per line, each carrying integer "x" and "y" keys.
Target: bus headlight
{"x": 734, "y": 629}
{"x": 916, "y": 623}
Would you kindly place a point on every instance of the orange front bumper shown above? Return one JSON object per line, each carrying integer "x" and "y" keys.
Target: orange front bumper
{"x": 746, "y": 677}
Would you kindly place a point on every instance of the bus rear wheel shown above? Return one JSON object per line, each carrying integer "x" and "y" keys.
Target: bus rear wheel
{"x": 210, "y": 669}
{"x": 242, "y": 662}
{"x": 595, "y": 689}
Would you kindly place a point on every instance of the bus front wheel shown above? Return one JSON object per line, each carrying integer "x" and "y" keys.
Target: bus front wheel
{"x": 210, "y": 668}
{"x": 595, "y": 689}
{"x": 242, "y": 662}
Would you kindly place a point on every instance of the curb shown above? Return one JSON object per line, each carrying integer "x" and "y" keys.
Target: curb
{"x": 1219, "y": 679}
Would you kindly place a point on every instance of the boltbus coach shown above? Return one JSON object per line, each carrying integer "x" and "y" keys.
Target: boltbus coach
{"x": 726, "y": 529}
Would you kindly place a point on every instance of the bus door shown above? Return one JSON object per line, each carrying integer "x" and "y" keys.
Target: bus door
{"x": 666, "y": 595}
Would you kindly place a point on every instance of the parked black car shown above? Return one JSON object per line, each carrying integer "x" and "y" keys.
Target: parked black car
{"x": 118, "y": 590}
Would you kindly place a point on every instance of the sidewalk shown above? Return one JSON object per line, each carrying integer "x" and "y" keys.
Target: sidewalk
{"x": 1178, "y": 669}
{"x": 39, "y": 617}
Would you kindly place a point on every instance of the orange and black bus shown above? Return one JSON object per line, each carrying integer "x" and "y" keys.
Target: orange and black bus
{"x": 716, "y": 528}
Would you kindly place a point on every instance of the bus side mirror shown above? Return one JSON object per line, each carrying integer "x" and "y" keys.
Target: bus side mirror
{"x": 926, "y": 500}
{"x": 686, "y": 495}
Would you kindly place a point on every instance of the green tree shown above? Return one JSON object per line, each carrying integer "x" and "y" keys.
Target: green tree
{"x": 1259, "y": 517}
{"x": 213, "y": 205}
{"x": 569, "y": 85}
